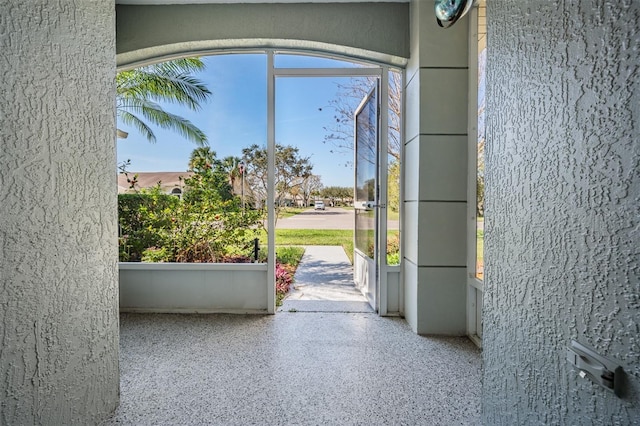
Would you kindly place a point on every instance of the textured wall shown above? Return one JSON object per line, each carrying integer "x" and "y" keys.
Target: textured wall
{"x": 58, "y": 252}
{"x": 563, "y": 208}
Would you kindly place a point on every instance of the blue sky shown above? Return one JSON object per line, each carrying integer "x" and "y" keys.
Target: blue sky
{"x": 236, "y": 117}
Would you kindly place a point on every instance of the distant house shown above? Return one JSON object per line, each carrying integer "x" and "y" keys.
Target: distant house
{"x": 170, "y": 182}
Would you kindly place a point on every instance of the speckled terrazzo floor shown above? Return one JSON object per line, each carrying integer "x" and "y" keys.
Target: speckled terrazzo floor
{"x": 292, "y": 369}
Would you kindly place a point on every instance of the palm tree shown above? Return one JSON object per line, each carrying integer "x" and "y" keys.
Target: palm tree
{"x": 230, "y": 166}
{"x": 138, "y": 90}
{"x": 202, "y": 158}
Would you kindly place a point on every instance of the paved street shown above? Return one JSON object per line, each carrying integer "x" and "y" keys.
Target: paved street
{"x": 331, "y": 218}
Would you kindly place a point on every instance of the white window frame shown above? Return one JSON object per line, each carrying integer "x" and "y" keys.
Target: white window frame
{"x": 475, "y": 286}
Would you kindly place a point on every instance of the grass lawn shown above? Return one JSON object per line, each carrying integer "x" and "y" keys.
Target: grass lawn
{"x": 289, "y": 255}
{"x": 480, "y": 254}
{"x": 391, "y": 215}
{"x": 317, "y": 237}
{"x": 291, "y": 211}
{"x": 314, "y": 237}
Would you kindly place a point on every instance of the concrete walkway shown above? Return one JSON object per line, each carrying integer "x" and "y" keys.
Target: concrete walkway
{"x": 324, "y": 283}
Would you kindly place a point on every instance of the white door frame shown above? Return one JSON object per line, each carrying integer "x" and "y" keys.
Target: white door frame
{"x": 366, "y": 269}
{"x": 475, "y": 286}
{"x": 379, "y": 71}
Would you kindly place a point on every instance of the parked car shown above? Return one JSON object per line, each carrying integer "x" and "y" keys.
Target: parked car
{"x": 318, "y": 205}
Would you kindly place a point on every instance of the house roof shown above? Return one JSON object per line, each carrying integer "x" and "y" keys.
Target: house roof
{"x": 168, "y": 180}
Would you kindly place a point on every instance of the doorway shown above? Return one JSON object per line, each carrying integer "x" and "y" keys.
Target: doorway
{"x": 359, "y": 80}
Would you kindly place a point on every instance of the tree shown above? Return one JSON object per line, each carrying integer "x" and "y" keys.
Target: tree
{"x": 206, "y": 225}
{"x": 341, "y": 133}
{"x": 209, "y": 179}
{"x": 480, "y": 179}
{"x": 202, "y": 158}
{"x": 342, "y": 194}
{"x": 139, "y": 90}
{"x": 311, "y": 187}
{"x": 296, "y": 193}
{"x": 290, "y": 171}
{"x": 349, "y": 97}
{"x": 393, "y": 196}
{"x": 230, "y": 166}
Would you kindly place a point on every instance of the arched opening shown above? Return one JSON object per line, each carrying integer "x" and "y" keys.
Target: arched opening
{"x": 261, "y": 80}
{"x": 177, "y": 192}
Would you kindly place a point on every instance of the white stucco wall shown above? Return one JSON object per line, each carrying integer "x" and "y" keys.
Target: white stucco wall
{"x": 562, "y": 223}
{"x": 58, "y": 248}
{"x": 435, "y": 173}
{"x": 376, "y": 31}
{"x": 194, "y": 287}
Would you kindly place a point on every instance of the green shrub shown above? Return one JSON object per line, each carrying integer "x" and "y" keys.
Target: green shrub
{"x": 155, "y": 254}
{"x": 393, "y": 258}
{"x": 207, "y": 226}
{"x": 285, "y": 255}
{"x": 289, "y": 255}
{"x": 287, "y": 261}
{"x": 209, "y": 233}
{"x": 145, "y": 221}
{"x": 393, "y": 249}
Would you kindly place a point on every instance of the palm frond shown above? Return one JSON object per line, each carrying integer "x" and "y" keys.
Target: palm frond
{"x": 132, "y": 120}
{"x": 179, "y": 66}
{"x": 137, "y": 91}
{"x": 181, "y": 89}
{"x": 156, "y": 115}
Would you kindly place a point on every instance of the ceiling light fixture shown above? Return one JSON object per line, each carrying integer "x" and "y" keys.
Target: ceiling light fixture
{"x": 449, "y": 11}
